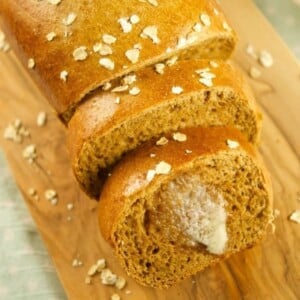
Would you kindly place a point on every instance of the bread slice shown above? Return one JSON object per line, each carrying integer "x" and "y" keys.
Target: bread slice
{"x": 111, "y": 123}
{"x": 170, "y": 211}
{"x": 96, "y": 41}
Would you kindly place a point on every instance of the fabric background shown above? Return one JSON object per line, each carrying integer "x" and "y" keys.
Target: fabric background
{"x": 26, "y": 271}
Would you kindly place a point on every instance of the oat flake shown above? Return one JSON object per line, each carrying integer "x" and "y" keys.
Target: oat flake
{"x": 163, "y": 168}
{"x": 133, "y": 55}
{"x": 232, "y": 144}
{"x": 80, "y": 53}
{"x": 152, "y": 33}
{"x": 69, "y": 19}
{"x": 107, "y": 63}
{"x": 177, "y": 90}
{"x": 51, "y": 36}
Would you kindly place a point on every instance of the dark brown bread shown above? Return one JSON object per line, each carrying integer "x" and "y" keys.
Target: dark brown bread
{"x": 27, "y": 23}
{"x": 101, "y": 130}
{"x": 214, "y": 199}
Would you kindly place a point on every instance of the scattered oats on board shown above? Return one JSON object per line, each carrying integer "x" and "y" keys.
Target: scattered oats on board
{"x": 120, "y": 283}
{"x": 29, "y": 153}
{"x": 276, "y": 213}
{"x": 41, "y": 119}
{"x": 101, "y": 264}
{"x": 151, "y": 32}
{"x": 4, "y": 45}
{"x": 108, "y": 39}
{"x": 115, "y": 297}
{"x": 63, "y": 75}
{"x": 69, "y": 19}
{"x": 118, "y": 100}
{"x": 54, "y": 2}
{"x": 188, "y": 151}
{"x": 205, "y": 19}
{"x": 251, "y": 51}
{"x": 92, "y": 270}
{"x": 295, "y": 216}
{"x": 163, "y": 168}
{"x": 152, "y": 155}
{"x": 31, "y": 63}
{"x": 107, "y": 63}
{"x": 51, "y": 196}
{"x": 80, "y": 53}
{"x": 254, "y": 72}
{"x": 51, "y": 36}
{"x": 133, "y": 55}
{"x": 97, "y": 267}
{"x": 162, "y": 141}
{"x": 265, "y": 59}
{"x": 31, "y": 192}
{"x": 232, "y": 144}
{"x": 134, "y": 91}
{"x": 177, "y": 90}
{"x": 76, "y": 263}
{"x": 70, "y": 206}
{"x": 179, "y": 137}
{"x": 107, "y": 277}
{"x": 15, "y": 131}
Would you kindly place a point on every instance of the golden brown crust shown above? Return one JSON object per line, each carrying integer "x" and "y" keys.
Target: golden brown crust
{"x": 28, "y": 22}
{"x": 136, "y": 164}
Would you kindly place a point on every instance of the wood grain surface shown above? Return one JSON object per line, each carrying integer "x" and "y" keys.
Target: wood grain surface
{"x": 268, "y": 271}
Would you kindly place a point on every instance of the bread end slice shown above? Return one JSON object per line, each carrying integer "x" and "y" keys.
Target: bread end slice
{"x": 208, "y": 198}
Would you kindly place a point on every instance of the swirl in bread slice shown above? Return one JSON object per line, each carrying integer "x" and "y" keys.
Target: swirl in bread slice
{"x": 169, "y": 211}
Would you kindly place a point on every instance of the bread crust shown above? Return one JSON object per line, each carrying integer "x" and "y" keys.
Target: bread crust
{"x": 100, "y": 114}
{"x": 135, "y": 165}
{"x": 27, "y": 23}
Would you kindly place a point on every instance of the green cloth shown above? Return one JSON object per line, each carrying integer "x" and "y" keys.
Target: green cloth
{"x": 284, "y": 15}
{"x": 26, "y": 271}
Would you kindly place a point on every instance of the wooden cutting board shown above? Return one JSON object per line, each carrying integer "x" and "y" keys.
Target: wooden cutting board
{"x": 268, "y": 271}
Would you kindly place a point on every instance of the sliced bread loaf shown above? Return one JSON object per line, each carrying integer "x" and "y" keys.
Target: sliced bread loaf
{"x": 169, "y": 211}
{"x": 152, "y": 102}
{"x": 77, "y": 46}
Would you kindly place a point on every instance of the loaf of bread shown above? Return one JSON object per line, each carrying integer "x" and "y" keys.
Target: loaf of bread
{"x": 188, "y": 93}
{"x": 152, "y": 107}
{"x": 77, "y": 46}
{"x": 169, "y": 211}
